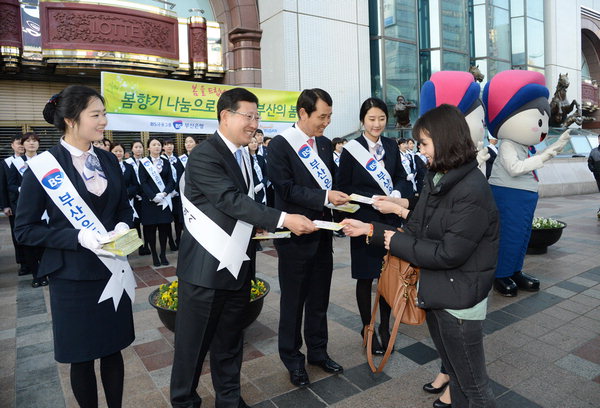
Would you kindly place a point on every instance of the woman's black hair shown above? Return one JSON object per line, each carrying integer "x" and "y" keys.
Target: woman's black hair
{"x": 29, "y": 135}
{"x": 402, "y": 141}
{"x": 150, "y": 139}
{"x": 68, "y": 104}
{"x": 116, "y": 145}
{"x": 372, "y": 103}
{"x": 449, "y": 132}
{"x": 194, "y": 137}
{"x": 136, "y": 141}
{"x": 167, "y": 140}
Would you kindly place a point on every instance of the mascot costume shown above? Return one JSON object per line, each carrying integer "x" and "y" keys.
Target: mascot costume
{"x": 517, "y": 113}
{"x": 459, "y": 89}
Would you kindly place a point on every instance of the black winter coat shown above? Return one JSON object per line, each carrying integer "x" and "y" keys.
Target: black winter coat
{"x": 452, "y": 235}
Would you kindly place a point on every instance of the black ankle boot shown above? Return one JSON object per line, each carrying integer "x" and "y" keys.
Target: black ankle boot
{"x": 384, "y": 334}
{"x": 376, "y": 348}
{"x": 155, "y": 259}
{"x": 163, "y": 260}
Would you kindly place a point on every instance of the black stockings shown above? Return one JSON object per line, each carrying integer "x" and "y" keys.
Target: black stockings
{"x": 363, "y": 299}
{"x": 83, "y": 381}
{"x": 150, "y": 236}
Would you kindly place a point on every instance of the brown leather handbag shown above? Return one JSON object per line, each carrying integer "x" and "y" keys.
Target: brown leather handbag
{"x": 398, "y": 286}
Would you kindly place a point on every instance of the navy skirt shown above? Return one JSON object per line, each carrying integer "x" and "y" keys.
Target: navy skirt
{"x": 84, "y": 329}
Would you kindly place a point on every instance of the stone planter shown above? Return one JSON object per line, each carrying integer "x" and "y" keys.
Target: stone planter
{"x": 541, "y": 239}
{"x": 167, "y": 316}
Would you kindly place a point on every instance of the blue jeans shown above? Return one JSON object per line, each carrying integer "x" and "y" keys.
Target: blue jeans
{"x": 460, "y": 345}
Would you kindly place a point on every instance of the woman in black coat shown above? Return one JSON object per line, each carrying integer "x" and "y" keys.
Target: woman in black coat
{"x": 354, "y": 177}
{"x": 84, "y": 329}
{"x": 156, "y": 211}
{"x": 452, "y": 235}
{"x": 31, "y": 254}
{"x": 129, "y": 177}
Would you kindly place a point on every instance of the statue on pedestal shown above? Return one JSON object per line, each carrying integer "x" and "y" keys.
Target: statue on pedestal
{"x": 560, "y": 106}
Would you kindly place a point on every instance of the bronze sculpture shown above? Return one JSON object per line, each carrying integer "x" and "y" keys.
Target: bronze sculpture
{"x": 474, "y": 70}
{"x": 560, "y": 106}
{"x": 402, "y": 112}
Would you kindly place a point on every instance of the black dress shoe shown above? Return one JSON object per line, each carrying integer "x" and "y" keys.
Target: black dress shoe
{"x": 376, "y": 348}
{"x": 385, "y": 336}
{"x": 299, "y": 377}
{"x": 432, "y": 390}
{"x": 328, "y": 365}
{"x": 24, "y": 270}
{"x": 155, "y": 260}
{"x": 173, "y": 247}
{"x": 44, "y": 281}
{"x": 505, "y": 286}
{"x": 526, "y": 282}
{"x": 144, "y": 251}
{"x": 35, "y": 283}
{"x": 439, "y": 404}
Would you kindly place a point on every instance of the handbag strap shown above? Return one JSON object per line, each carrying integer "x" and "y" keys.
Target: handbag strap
{"x": 371, "y": 329}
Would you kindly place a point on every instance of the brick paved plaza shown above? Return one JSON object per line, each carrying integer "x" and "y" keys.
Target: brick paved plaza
{"x": 542, "y": 349}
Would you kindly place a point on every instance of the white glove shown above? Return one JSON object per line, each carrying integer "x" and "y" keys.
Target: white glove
{"x": 548, "y": 154}
{"x": 158, "y": 197}
{"x": 121, "y": 227}
{"x": 91, "y": 240}
{"x": 410, "y": 177}
{"x": 139, "y": 198}
{"x": 562, "y": 141}
{"x": 483, "y": 154}
{"x": 174, "y": 193}
{"x": 258, "y": 187}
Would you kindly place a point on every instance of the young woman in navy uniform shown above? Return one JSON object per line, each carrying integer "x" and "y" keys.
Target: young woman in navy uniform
{"x": 84, "y": 329}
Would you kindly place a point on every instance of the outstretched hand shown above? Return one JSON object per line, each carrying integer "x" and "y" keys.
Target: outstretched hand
{"x": 299, "y": 224}
{"x": 355, "y": 228}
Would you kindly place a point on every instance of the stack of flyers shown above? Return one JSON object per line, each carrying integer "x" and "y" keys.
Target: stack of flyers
{"x": 123, "y": 243}
{"x": 273, "y": 235}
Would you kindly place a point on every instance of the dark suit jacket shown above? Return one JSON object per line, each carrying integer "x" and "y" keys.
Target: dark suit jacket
{"x": 354, "y": 178}
{"x": 63, "y": 256}
{"x": 490, "y": 162}
{"x": 14, "y": 180}
{"x": 4, "y": 203}
{"x": 263, "y": 167}
{"x": 131, "y": 183}
{"x": 215, "y": 184}
{"x": 296, "y": 191}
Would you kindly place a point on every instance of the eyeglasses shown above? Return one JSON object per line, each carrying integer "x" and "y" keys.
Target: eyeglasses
{"x": 249, "y": 116}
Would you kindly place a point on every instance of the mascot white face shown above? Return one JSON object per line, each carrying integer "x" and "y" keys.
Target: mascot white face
{"x": 528, "y": 127}
{"x": 476, "y": 120}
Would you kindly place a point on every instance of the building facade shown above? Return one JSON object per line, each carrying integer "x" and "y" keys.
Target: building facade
{"x": 351, "y": 48}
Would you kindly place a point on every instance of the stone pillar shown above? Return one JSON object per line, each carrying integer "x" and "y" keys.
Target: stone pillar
{"x": 246, "y": 57}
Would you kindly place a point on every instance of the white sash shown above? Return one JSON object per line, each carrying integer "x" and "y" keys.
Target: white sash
{"x": 136, "y": 167}
{"x": 309, "y": 157}
{"x": 229, "y": 250}
{"x": 20, "y": 165}
{"x": 64, "y": 195}
{"x": 173, "y": 169}
{"x": 373, "y": 167}
{"x": 183, "y": 159}
{"x": 9, "y": 160}
{"x": 406, "y": 164}
{"x": 135, "y": 214}
{"x": 155, "y": 175}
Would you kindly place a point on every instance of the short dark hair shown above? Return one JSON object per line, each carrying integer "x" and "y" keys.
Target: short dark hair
{"x": 136, "y": 141}
{"x": 150, "y": 139}
{"x": 68, "y": 104}
{"x": 259, "y": 131}
{"x": 402, "y": 141}
{"x": 449, "y": 132}
{"x": 230, "y": 100}
{"x": 372, "y": 103}
{"x": 167, "y": 140}
{"x": 30, "y": 135}
{"x": 335, "y": 141}
{"x": 18, "y": 137}
{"x": 308, "y": 100}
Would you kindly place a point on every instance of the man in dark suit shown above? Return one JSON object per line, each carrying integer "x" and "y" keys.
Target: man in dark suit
{"x": 493, "y": 151}
{"x": 212, "y": 299}
{"x": 305, "y": 263}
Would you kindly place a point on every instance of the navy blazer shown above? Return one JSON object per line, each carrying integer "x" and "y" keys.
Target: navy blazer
{"x": 131, "y": 182}
{"x": 297, "y": 192}
{"x": 215, "y": 184}
{"x": 14, "y": 180}
{"x": 148, "y": 187}
{"x": 63, "y": 256}
{"x": 354, "y": 178}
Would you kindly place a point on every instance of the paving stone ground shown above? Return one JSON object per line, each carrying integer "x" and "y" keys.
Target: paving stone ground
{"x": 542, "y": 349}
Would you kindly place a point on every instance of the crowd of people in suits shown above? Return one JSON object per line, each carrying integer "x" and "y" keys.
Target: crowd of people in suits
{"x": 235, "y": 182}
